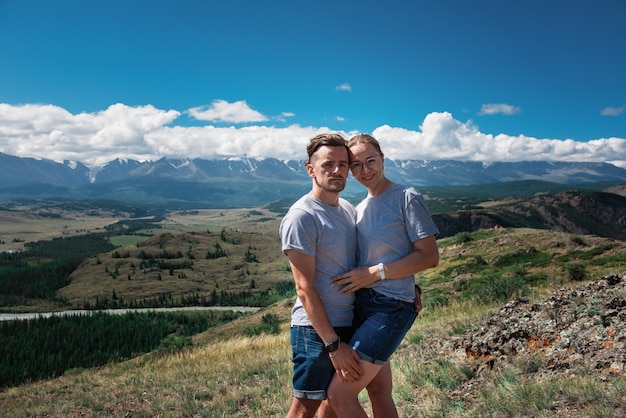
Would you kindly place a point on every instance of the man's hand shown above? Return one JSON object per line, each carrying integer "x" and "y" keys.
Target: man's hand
{"x": 346, "y": 363}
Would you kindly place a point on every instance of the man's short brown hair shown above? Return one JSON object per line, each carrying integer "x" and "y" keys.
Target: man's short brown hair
{"x": 330, "y": 140}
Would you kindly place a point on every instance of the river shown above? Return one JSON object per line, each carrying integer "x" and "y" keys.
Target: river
{"x": 16, "y": 316}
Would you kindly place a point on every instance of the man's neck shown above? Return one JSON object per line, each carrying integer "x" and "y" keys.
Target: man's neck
{"x": 325, "y": 196}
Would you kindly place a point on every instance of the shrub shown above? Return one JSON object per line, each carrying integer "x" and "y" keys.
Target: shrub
{"x": 496, "y": 288}
{"x": 174, "y": 343}
{"x": 463, "y": 237}
{"x": 576, "y": 272}
{"x": 270, "y": 324}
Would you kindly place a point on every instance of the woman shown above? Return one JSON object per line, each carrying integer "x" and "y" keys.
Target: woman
{"x": 396, "y": 239}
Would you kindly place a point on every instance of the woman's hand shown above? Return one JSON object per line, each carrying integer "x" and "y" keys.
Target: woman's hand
{"x": 417, "y": 303}
{"x": 356, "y": 279}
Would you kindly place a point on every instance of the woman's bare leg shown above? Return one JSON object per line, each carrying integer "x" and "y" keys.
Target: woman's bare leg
{"x": 380, "y": 393}
{"x": 344, "y": 396}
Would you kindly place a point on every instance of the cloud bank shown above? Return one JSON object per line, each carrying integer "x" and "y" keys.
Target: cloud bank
{"x": 148, "y": 133}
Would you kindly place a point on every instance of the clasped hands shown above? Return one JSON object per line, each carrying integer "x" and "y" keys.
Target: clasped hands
{"x": 356, "y": 279}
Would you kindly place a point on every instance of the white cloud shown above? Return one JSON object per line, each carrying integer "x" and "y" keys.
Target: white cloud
{"x": 340, "y": 119}
{"x": 613, "y": 111}
{"x": 443, "y": 137}
{"x": 47, "y": 131}
{"x": 148, "y": 133}
{"x": 223, "y": 142}
{"x": 495, "y": 108}
{"x": 223, "y": 111}
{"x": 283, "y": 116}
{"x": 344, "y": 87}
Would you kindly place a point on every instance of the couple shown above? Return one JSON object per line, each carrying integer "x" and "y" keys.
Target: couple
{"x": 353, "y": 271}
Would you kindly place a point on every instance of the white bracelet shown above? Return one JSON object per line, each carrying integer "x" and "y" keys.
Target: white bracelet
{"x": 381, "y": 270}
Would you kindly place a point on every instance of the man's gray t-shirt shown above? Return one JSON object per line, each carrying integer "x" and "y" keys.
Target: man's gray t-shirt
{"x": 327, "y": 233}
{"x": 387, "y": 225}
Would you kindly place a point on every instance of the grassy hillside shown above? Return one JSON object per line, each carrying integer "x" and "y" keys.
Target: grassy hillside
{"x": 454, "y": 198}
{"x": 581, "y": 212}
{"x": 227, "y": 373}
{"x": 193, "y": 253}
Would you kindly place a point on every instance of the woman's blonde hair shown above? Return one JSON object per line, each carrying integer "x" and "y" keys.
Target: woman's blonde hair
{"x": 365, "y": 139}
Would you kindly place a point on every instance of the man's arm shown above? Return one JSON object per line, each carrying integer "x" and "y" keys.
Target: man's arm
{"x": 303, "y": 270}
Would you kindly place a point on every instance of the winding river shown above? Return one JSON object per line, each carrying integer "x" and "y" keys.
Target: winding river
{"x": 16, "y": 316}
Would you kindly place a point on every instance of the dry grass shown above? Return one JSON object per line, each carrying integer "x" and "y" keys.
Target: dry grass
{"x": 237, "y": 219}
{"x": 21, "y": 227}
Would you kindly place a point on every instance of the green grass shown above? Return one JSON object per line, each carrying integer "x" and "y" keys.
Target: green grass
{"x": 126, "y": 240}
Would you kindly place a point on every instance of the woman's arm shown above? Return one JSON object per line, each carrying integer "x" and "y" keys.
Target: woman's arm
{"x": 425, "y": 255}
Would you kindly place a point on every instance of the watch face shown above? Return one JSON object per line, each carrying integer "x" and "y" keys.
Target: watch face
{"x": 332, "y": 346}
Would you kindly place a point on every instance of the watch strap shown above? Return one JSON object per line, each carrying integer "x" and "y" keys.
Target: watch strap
{"x": 381, "y": 270}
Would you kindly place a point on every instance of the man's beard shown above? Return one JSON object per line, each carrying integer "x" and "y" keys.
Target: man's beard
{"x": 331, "y": 186}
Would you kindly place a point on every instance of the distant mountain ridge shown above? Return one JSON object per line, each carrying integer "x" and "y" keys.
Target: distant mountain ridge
{"x": 250, "y": 182}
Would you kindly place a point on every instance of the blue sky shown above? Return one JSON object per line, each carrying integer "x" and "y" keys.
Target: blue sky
{"x": 469, "y": 80}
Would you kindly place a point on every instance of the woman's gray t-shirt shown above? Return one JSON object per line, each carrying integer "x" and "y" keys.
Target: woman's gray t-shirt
{"x": 387, "y": 225}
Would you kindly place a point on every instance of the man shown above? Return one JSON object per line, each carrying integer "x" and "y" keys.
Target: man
{"x": 319, "y": 237}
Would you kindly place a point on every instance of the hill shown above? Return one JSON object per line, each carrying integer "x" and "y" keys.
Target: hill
{"x": 579, "y": 212}
{"x": 510, "y": 328}
{"x": 191, "y": 259}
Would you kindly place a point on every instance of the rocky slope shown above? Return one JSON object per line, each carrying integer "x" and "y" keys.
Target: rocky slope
{"x": 576, "y": 330}
{"x": 574, "y": 326}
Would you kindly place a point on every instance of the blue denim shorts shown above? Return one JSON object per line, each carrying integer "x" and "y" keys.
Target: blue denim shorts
{"x": 381, "y": 323}
{"x": 312, "y": 368}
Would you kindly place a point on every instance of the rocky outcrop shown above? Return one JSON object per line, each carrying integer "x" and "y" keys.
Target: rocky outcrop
{"x": 575, "y": 326}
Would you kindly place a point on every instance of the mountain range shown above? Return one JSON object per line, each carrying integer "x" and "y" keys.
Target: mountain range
{"x": 248, "y": 182}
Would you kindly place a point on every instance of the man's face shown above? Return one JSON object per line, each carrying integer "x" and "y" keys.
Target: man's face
{"x": 329, "y": 167}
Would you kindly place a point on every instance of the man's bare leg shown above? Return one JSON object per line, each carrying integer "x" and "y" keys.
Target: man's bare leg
{"x": 303, "y": 408}
{"x": 326, "y": 411}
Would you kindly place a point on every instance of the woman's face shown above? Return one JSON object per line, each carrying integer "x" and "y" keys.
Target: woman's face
{"x": 366, "y": 164}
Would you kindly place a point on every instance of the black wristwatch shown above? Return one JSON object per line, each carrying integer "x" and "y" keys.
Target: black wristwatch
{"x": 332, "y": 347}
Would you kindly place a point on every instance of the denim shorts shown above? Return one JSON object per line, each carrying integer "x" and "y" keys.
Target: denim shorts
{"x": 312, "y": 368}
{"x": 381, "y": 323}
